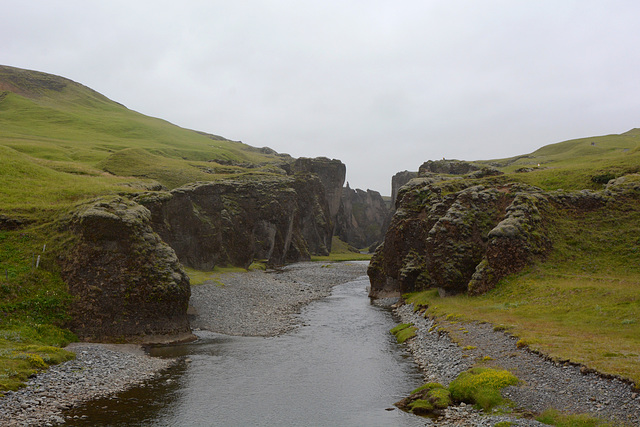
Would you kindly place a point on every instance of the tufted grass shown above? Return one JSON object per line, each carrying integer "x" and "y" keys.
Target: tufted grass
{"x": 403, "y": 332}
{"x": 481, "y": 386}
{"x": 26, "y": 349}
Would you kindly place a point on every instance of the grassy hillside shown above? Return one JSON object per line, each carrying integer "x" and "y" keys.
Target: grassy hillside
{"x": 61, "y": 142}
{"x": 577, "y": 164}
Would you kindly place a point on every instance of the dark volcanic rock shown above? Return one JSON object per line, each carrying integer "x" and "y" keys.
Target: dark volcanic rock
{"x": 127, "y": 283}
{"x": 331, "y": 173}
{"x": 456, "y": 235}
{"x": 397, "y": 181}
{"x": 362, "y": 217}
{"x": 234, "y": 222}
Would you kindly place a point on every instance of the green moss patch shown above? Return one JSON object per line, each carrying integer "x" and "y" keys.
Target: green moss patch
{"x": 478, "y": 386}
{"x": 403, "y": 332}
{"x": 558, "y": 419}
{"x": 481, "y": 386}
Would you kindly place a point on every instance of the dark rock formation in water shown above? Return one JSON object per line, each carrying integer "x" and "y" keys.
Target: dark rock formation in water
{"x": 234, "y": 222}
{"x": 127, "y": 284}
{"x": 458, "y": 234}
{"x": 362, "y": 217}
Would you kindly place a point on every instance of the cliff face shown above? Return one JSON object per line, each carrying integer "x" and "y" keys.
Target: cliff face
{"x": 127, "y": 283}
{"x": 397, "y": 181}
{"x": 463, "y": 233}
{"x": 331, "y": 173}
{"x": 362, "y": 217}
{"x": 458, "y": 234}
{"x": 233, "y": 222}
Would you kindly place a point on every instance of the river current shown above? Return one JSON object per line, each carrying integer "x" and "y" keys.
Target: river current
{"x": 340, "y": 368}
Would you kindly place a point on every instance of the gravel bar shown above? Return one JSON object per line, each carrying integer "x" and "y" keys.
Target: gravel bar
{"x": 259, "y": 303}
{"x": 544, "y": 383}
{"x": 99, "y": 370}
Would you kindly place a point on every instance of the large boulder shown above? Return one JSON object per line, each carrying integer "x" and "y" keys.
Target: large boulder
{"x": 126, "y": 282}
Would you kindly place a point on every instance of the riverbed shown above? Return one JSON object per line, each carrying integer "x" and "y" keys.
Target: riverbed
{"x": 340, "y": 367}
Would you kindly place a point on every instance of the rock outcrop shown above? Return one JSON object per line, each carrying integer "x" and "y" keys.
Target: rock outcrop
{"x": 362, "y": 217}
{"x": 458, "y": 234}
{"x": 332, "y": 174}
{"x": 462, "y": 233}
{"x": 234, "y": 222}
{"x": 127, "y": 284}
{"x": 397, "y": 181}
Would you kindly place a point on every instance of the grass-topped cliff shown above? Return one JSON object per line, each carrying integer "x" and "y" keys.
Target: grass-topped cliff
{"x": 569, "y": 274}
{"x": 585, "y": 163}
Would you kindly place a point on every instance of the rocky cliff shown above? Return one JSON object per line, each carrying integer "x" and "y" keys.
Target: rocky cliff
{"x": 397, "y": 181}
{"x": 464, "y": 228}
{"x": 234, "y": 222}
{"x": 458, "y": 234}
{"x": 126, "y": 282}
{"x": 124, "y": 269}
{"x": 362, "y": 217}
{"x": 332, "y": 174}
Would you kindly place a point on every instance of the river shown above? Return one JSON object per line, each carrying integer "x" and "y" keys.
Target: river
{"x": 340, "y": 368}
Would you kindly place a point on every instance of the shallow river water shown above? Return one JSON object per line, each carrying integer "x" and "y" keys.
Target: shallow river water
{"x": 340, "y": 368}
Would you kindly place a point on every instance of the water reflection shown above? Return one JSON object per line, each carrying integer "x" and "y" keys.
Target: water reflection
{"x": 341, "y": 368}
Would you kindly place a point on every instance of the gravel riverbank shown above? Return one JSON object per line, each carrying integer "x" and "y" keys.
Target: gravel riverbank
{"x": 266, "y": 304}
{"x": 99, "y": 370}
{"x": 545, "y": 384}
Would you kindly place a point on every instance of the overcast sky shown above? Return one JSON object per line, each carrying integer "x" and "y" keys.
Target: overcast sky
{"x": 381, "y": 85}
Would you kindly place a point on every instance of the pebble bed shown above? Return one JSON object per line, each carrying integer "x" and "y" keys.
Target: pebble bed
{"x": 544, "y": 383}
{"x": 256, "y": 303}
{"x": 99, "y": 370}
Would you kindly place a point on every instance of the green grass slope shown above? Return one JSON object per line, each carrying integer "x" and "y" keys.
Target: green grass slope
{"x": 80, "y": 143}
{"x": 577, "y": 164}
{"x": 62, "y": 143}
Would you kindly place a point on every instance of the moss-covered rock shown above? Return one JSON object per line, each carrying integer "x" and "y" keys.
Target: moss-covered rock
{"x": 126, "y": 282}
{"x": 458, "y": 234}
{"x": 236, "y": 221}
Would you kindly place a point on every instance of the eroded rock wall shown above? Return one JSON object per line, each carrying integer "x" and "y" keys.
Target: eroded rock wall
{"x": 234, "y": 222}
{"x": 362, "y": 217}
{"x": 332, "y": 174}
{"x": 458, "y": 234}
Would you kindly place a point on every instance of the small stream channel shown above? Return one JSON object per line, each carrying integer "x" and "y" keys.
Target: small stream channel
{"x": 340, "y": 368}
